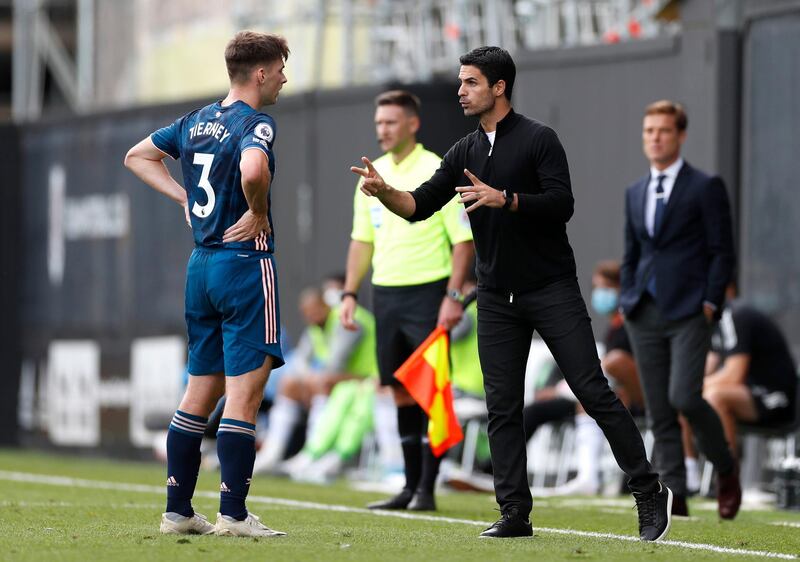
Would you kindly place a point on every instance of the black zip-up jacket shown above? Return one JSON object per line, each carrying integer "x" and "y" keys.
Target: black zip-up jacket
{"x": 516, "y": 251}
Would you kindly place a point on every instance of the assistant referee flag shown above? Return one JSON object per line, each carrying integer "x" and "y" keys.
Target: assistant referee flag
{"x": 426, "y": 375}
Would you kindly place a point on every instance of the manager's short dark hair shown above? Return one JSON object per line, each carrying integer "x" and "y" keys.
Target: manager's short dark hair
{"x": 408, "y": 101}
{"x": 494, "y": 63}
{"x": 248, "y": 49}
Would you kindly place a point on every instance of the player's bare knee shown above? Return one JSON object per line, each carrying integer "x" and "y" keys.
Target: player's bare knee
{"x": 244, "y": 401}
{"x": 245, "y": 393}
{"x": 200, "y": 401}
{"x": 202, "y": 406}
{"x": 715, "y": 398}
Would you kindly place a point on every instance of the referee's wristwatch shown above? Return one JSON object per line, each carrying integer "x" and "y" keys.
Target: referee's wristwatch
{"x": 455, "y": 295}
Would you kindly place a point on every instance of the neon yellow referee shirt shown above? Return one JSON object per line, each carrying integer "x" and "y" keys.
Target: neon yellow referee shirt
{"x": 407, "y": 253}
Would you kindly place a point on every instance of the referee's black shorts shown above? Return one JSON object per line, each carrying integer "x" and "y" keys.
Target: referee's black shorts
{"x": 404, "y": 317}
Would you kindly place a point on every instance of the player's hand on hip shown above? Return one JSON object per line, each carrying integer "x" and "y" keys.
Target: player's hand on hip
{"x": 372, "y": 183}
{"x": 450, "y": 313}
{"x": 247, "y": 228}
{"x": 347, "y": 313}
{"x": 480, "y": 194}
{"x": 186, "y": 214}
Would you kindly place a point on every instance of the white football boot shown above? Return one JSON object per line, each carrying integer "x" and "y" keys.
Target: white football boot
{"x": 250, "y": 527}
{"x": 177, "y": 524}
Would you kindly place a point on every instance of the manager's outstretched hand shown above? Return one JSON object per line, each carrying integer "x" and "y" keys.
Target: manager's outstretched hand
{"x": 399, "y": 202}
{"x": 481, "y": 193}
{"x": 372, "y": 184}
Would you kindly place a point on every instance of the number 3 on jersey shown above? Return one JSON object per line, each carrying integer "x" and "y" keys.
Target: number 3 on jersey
{"x": 205, "y": 161}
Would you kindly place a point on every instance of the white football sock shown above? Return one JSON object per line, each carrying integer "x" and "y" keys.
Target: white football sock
{"x": 387, "y": 434}
{"x": 283, "y": 416}
{"x": 589, "y": 443}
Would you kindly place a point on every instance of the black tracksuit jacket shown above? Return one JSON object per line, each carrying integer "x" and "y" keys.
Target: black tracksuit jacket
{"x": 516, "y": 251}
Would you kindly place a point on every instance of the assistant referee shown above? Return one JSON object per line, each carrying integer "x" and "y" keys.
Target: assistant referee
{"x": 417, "y": 276}
{"x": 527, "y": 281}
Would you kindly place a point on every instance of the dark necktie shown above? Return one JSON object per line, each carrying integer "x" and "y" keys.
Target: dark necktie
{"x": 660, "y": 205}
{"x": 657, "y": 220}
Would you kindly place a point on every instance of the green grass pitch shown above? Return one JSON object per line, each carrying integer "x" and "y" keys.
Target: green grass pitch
{"x": 55, "y": 508}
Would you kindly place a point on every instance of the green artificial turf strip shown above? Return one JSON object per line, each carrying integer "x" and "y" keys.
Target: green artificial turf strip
{"x": 52, "y": 523}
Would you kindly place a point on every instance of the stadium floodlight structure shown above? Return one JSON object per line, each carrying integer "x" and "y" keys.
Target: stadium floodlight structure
{"x": 37, "y": 45}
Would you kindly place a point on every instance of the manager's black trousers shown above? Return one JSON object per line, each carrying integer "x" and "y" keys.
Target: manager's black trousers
{"x": 505, "y": 328}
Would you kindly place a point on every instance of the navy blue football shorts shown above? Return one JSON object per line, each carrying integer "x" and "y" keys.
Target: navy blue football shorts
{"x": 232, "y": 315}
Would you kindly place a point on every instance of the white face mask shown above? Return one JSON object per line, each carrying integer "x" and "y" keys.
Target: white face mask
{"x": 332, "y": 297}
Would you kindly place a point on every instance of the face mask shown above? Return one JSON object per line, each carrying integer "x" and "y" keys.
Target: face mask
{"x": 604, "y": 300}
{"x": 332, "y": 297}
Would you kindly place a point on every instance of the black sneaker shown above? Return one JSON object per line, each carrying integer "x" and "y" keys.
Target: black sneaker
{"x": 510, "y": 524}
{"x": 655, "y": 513}
{"x": 423, "y": 501}
{"x": 400, "y": 501}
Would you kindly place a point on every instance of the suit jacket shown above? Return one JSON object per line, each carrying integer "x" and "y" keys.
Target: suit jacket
{"x": 691, "y": 255}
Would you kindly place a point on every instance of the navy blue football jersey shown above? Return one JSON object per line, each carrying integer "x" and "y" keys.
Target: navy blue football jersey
{"x": 209, "y": 143}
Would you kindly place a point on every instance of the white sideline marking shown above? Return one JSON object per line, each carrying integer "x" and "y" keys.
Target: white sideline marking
{"x": 147, "y": 489}
{"x": 786, "y": 524}
{"x": 9, "y": 503}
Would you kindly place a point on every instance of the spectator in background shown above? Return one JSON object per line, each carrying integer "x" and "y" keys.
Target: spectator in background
{"x": 678, "y": 259}
{"x": 344, "y": 422}
{"x": 417, "y": 276}
{"x": 750, "y": 373}
{"x": 325, "y": 355}
{"x": 618, "y": 362}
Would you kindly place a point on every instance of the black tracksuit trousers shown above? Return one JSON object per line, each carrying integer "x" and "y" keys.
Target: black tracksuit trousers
{"x": 505, "y": 327}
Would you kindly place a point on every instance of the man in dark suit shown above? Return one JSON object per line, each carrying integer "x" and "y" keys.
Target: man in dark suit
{"x": 678, "y": 259}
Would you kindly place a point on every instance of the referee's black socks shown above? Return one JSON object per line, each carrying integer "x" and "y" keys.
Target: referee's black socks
{"x": 410, "y": 424}
{"x": 430, "y": 468}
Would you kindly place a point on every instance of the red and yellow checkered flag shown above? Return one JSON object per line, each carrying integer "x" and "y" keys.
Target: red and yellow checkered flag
{"x": 426, "y": 375}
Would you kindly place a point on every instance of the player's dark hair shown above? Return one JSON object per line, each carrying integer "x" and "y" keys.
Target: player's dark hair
{"x": 494, "y": 63}
{"x": 248, "y": 49}
{"x": 408, "y": 101}
{"x": 666, "y": 107}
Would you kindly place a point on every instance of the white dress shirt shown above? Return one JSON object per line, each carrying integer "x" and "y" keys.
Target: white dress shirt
{"x": 670, "y": 174}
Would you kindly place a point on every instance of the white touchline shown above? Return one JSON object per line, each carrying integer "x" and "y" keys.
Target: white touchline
{"x": 7, "y": 503}
{"x": 148, "y": 489}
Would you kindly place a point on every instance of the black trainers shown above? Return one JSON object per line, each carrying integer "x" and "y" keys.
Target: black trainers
{"x": 511, "y": 524}
{"x": 400, "y": 501}
{"x": 423, "y": 501}
{"x": 655, "y": 513}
